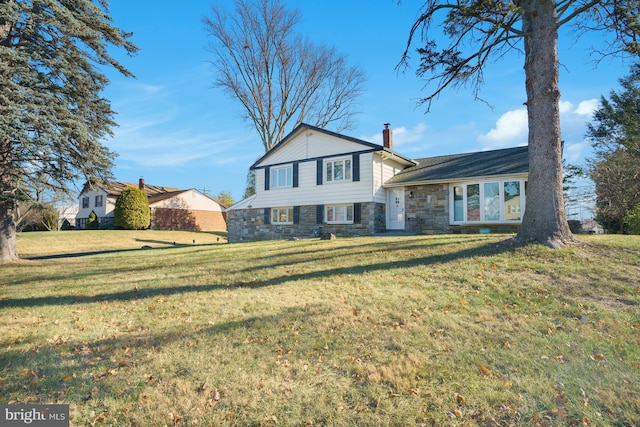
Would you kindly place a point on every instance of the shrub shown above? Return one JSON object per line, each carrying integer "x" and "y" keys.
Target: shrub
{"x": 632, "y": 220}
{"x": 92, "y": 222}
{"x": 132, "y": 210}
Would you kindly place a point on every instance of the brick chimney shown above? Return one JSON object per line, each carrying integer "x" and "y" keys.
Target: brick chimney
{"x": 387, "y": 137}
{"x": 141, "y": 183}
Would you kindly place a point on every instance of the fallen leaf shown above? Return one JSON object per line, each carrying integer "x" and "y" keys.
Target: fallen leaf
{"x": 598, "y": 357}
{"x": 460, "y": 399}
{"x": 485, "y": 370}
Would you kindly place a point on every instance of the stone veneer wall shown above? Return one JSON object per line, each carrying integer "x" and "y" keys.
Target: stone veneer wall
{"x": 427, "y": 211}
{"x": 248, "y": 225}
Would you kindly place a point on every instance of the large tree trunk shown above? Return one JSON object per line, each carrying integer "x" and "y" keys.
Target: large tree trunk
{"x": 545, "y": 219}
{"x": 7, "y": 213}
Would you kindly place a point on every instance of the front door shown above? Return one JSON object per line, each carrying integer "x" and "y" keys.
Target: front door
{"x": 395, "y": 209}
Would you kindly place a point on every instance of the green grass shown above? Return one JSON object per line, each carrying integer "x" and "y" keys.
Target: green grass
{"x": 442, "y": 330}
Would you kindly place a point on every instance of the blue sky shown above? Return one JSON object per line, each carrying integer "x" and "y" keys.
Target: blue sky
{"x": 177, "y": 130}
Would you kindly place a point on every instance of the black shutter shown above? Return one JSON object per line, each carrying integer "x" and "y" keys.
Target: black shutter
{"x": 355, "y": 166}
{"x": 267, "y": 215}
{"x": 319, "y": 214}
{"x": 295, "y": 174}
{"x": 267, "y": 175}
{"x": 319, "y": 172}
{"x": 357, "y": 213}
{"x": 296, "y": 214}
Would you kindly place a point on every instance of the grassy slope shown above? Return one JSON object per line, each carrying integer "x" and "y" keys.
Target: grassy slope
{"x": 445, "y": 330}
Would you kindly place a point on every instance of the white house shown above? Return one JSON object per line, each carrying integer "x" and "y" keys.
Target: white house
{"x": 317, "y": 181}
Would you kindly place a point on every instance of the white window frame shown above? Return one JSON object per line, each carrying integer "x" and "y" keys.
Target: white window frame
{"x": 99, "y": 199}
{"x": 344, "y": 211}
{"x": 347, "y": 167}
{"x": 276, "y": 177}
{"x": 83, "y": 204}
{"x": 277, "y": 215}
{"x": 502, "y": 215}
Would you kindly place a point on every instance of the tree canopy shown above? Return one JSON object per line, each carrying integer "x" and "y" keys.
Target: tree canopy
{"x": 52, "y": 115}
{"x": 481, "y": 31}
{"x": 279, "y": 77}
{"x": 615, "y": 137}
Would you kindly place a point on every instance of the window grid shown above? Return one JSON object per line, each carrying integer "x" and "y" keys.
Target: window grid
{"x": 338, "y": 170}
{"x": 282, "y": 215}
{"x": 339, "y": 214}
{"x": 282, "y": 177}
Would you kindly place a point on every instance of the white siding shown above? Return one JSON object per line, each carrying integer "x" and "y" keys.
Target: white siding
{"x": 104, "y": 210}
{"x": 383, "y": 169}
{"x": 310, "y": 144}
{"x": 189, "y": 200}
{"x": 308, "y": 193}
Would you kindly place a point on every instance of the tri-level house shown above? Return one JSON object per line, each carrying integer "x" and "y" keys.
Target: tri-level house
{"x": 316, "y": 181}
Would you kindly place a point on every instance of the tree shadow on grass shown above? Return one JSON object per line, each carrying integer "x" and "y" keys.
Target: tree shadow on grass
{"x": 170, "y": 245}
{"x": 83, "y": 371}
{"x": 324, "y": 274}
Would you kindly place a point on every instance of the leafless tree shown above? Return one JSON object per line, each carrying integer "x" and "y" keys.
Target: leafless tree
{"x": 280, "y": 77}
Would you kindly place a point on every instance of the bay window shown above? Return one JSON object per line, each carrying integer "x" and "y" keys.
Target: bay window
{"x": 487, "y": 201}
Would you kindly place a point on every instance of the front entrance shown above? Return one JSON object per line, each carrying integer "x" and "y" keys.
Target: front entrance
{"x": 395, "y": 209}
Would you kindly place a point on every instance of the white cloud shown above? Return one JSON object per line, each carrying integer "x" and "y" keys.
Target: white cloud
{"x": 586, "y": 108}
{"x": 510, "y": 130}
{"x": 565, "y": 106}
{"x": 573, "y": 153}
{"x": 401, "y": 135}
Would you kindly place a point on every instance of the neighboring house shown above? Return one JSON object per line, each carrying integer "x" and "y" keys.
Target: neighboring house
{"x": 186, "y": 210}
{"x": 316, "y": 181}
{"x": 67, "y": 213}
{"x": 590, "y": 226}
{"x": 171, "y": 209}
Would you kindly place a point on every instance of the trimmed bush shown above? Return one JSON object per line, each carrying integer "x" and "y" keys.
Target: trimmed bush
{"x": 92, "y": 222}
{"x": 132, "y": 210}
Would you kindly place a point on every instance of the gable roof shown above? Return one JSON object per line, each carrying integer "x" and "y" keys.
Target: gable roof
{"x": 303, "y": 126}
{"x": 114, "y": 188}
{"x": 508, "y": 161}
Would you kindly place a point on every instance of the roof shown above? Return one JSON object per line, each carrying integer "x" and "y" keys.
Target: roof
{"x": 509, "y": 161}
{"x": 301, "y": 126}
{"x": 155, "y": 198}
{"x": 114, "y": 188}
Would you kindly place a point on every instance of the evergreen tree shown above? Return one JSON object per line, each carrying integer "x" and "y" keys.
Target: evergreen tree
{"x": 52, "y": 116}
{"x": 132, "y": 210}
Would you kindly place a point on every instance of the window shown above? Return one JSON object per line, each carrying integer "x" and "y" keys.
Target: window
{"x": 338, "y": 170}
{"x": 491, "y": 201}
{"x": 98, "y": 201}
{"x": 282, "y": 215}
{"x": 281, "y": 177}
{"x": 339, "y": 214}
{"x": 85, "y": 202}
